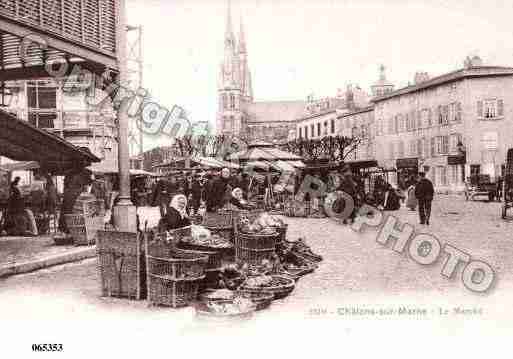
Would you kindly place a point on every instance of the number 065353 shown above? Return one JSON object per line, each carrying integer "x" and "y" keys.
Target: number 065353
{"x": 47, "y": 347}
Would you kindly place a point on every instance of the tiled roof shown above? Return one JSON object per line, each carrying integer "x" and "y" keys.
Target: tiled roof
{"x": 481, "y": 71}
{"x": 275, "y": 111}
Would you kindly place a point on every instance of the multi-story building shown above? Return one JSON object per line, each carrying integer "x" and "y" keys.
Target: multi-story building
{"x": 428, "y": 125}
{"x": 320, "y": 116}
{"x": 359, "y": 124}
{"x": 62, "y": 107}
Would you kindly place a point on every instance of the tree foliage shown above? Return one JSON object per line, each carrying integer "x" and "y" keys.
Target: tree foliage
{"x": 333, "y": 148}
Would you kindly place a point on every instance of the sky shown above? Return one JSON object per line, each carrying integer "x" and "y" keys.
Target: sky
{"x": 299, "y": 47}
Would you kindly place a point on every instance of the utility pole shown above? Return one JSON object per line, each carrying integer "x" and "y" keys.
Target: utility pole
{"x": 125, "y": 213}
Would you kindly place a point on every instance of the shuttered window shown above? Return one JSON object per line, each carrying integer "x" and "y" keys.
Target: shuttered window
{"x": 433, "y": 146}
{"x": 480, "y": 109}
{"x": 500, "y": 108}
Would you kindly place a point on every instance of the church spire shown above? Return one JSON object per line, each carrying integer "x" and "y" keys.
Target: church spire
{"x": 242, "y": 38}
{"x": 229, "y": 38}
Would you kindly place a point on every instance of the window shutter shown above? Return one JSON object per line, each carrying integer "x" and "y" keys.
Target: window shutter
{"x": 426, "y": 147}
{"x": 430, "y": 117}
{"x": 458, "y": 111}
{"x": 479, "y": 108}
{"x": 419, "y": 119}
{"x": 419, "y": 147}
{"x": 433, "y": 139}
{"x": 500, "y": 108}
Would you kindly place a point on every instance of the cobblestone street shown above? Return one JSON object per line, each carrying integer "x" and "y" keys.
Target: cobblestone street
{"x": 357, "y": 273}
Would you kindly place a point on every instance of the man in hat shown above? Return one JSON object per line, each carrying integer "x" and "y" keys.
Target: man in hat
{"x": 424, "y": 192}
{"x": 349, "y": 186}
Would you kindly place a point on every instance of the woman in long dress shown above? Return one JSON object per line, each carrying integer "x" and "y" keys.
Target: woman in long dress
{"x": 412, "y": 201}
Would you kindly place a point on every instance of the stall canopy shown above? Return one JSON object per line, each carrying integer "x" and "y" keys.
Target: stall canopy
{"x": 19, "y": 166}
{"x": 207, "y": 162}
{"x": 263, "y": 151}
{"x": 214, "y": 162}
{"x": 21, "y": 141}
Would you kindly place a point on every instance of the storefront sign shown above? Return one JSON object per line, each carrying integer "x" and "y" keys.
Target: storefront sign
{"x": 407, "y": 162}
{"x": 456, "y": 160}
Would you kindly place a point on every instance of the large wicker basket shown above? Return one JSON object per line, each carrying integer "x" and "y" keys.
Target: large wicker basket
{"x": 83, "y": 229}
{"x": 253, "y": 248}
{"x": 121, "y": 264}
{"x": 220, "y": 223}
{"x": 174, "y": 276}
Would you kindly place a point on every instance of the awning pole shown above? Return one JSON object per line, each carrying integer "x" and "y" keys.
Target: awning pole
{"x": 125, "y": 213}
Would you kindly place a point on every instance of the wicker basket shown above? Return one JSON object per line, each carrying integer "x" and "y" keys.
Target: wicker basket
{"x": 253, "y": 248}
{"x": 220, "y": 219}
{"x": 121, "y": 264}
{"x": 174, "y": 276}
{"x": 83, "y": 229}
{"x": 261, "y": 299}
{"x": 286, "y": 287}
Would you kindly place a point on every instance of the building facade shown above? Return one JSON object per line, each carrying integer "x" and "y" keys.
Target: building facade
{"x": 238, "y": 114}
{"x": 428, "y": 125}
{"x": 359, "y": 124}
{"x": 62, "y": 107}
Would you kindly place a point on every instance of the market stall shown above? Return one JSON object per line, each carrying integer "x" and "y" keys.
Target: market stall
{"x": 38, "y": 149}
{"x": 273, "y": 169}
{"x": 192, "y": 267}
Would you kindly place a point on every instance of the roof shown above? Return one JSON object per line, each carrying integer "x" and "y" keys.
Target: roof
{"x": 355, "y": 112}
{"x": 275, "y": 111}
{"x": 264, "y": 154}
{"x": 479, "y": 71}
{"x": 21, "y": 141}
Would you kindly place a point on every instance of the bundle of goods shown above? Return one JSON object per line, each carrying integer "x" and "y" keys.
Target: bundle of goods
{"x": 301, "y": 249}
{"x": 220, "y": 223}
{"x": 174, "y": 276}
{"x": 261, "y": 300}
{"x": 295, "y": 267}
{"x": 201, "y": 237}
{"x": 263, "y": 224}
{"x": 121, "y": 264}
{"x": 280, "y": 286}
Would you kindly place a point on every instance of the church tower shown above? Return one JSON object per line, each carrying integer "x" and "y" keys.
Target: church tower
{"x": 234, "y": 86}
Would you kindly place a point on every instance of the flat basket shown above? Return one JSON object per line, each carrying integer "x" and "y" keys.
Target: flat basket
{"x": 121, "y": 264}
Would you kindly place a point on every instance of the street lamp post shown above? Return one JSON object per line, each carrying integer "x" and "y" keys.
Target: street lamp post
{"x": 125, "y": 213}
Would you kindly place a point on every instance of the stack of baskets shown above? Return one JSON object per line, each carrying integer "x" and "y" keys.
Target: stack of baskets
{"x": 174, "y": 276}
{"x": 121, "y": 264}
{"x": 252, "y": 248}
{"x": 220, "y": 223}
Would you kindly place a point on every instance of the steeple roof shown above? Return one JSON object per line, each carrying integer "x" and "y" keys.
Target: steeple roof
{"x": 242, "y": 38}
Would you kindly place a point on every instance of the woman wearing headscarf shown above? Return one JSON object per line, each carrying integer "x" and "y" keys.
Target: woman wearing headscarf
{"x": 238, "y": 200}
{"x": 176, "y": 215}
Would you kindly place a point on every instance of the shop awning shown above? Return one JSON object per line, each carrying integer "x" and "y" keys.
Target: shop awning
{"x": 21, "y": 141}
{"x": 362, "y": 164}
{"x": 19, "y": 166}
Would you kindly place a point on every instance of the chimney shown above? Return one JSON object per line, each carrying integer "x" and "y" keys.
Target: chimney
{"x": 420, "y": 77}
